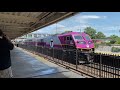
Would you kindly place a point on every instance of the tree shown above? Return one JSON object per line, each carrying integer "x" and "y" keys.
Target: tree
{"x": 113, "y": 38}
{"x": 90, "y": 31}
{"x": 100, "y": 35}
{"x": 112, "y": 41}
{"x": 117, "y": 40}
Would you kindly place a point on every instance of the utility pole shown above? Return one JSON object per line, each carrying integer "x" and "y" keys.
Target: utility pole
{"x": 80, "y": 30}
{"x": 119, "y": 32}
{"x": 56, "y": 28}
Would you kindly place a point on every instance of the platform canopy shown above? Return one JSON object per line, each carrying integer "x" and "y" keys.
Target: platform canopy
{"x": 16, "y": 24}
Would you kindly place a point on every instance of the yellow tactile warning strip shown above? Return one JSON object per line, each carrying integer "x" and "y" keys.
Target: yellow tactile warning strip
{"x": 109, "y": 53}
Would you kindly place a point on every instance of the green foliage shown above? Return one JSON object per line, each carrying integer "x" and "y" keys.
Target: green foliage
{"x": 108, "y": 44}
{"x": 113, "y": 37}
{"x": 112, "y": 41}
{"x": 96, "y": 45}
{"x": 93, "y": 34}
{"x": 117, "y": 40}
{"x": 115, "y": 49}
{"x": 100, "y": 35}
{"x": 90, "y": 31}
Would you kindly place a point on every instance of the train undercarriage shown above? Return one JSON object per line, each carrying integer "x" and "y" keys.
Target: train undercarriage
{"x": 85, "y": 56}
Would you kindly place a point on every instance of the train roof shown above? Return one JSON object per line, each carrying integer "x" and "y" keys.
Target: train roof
{"x": 72, "y": 33}
{"x": 63, "y": 34}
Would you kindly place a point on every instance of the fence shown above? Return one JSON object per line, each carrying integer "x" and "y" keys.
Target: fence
{"x": 103, "y": 65}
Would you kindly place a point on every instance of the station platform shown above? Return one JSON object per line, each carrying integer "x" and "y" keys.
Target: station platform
{"x": 28, "y": 65}
{"x": 108, "y": 53}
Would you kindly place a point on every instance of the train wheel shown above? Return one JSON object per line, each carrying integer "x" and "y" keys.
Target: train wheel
{"x": 81, "y": 62}
{"x": 90, "y": 58}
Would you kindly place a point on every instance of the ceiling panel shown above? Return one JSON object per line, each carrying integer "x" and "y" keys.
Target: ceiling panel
{"x": 16, "y": 24}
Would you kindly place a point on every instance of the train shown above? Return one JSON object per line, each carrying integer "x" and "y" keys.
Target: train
{"x": 68, "y": 40}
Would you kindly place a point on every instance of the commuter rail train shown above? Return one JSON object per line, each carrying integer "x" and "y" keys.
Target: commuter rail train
{"x": 69, "y": 40}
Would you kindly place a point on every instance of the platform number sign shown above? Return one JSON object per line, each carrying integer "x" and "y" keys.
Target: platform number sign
{"x": 51, "y": 43}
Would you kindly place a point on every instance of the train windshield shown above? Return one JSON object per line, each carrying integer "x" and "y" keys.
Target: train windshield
{"x": 87, "y": 37}
{"x": 78, "y": 37}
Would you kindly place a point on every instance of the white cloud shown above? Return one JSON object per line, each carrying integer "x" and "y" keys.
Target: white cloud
{"x": 93, "y": 17}
{"x": 85, "y": 18}
{"x": 75, "y": 28}
{"x": 56, "y": 25}
{"x": 50, "y": 28}
{"x": 60, "y": 26}
{"x": 90, "y": 17}
{"x": 78, "y": 27}
{"x": 82, "y": 23}
{"x": 111, "y": 28}
{"x": 108, "y": 30}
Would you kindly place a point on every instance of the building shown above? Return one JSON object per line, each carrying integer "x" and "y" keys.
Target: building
{"x": 29, "y": 36}
{"x": 34, "y": 35}
{"x": 99, "y": 41}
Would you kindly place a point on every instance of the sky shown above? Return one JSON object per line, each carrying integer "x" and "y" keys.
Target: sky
{"x": 106, "y": 22}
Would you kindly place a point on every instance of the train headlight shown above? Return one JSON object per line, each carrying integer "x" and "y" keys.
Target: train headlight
{"x": 90, "y": 42}
{"x": 82, "y": 42}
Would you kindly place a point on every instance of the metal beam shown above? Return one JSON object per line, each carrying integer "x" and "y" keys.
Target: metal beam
{"x": 16, "y": 24}
{"x": 50, "y": 20}
{"x": 13, "y": 24}
{"x": 16, "y": 17}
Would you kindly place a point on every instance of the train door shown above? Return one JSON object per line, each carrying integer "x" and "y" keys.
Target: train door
{"x": 69, "y": 42}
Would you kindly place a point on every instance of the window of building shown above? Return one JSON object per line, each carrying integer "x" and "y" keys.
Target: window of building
{"x": 35, "y": 35}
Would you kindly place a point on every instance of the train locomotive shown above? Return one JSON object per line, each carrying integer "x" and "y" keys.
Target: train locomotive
{"x": 69, "y": 40}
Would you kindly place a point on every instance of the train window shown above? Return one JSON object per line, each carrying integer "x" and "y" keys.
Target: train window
{"x": 30, "y": 40}
{"x": 35, "y": 35}
{"x": 70, "y": 38}
{"x": 67, "y": 38}
{"x": 78, "y": 37}
{"x": 41, "y": 40}
{"x": 29, "y": 35}
{"x": 87, "y": 37}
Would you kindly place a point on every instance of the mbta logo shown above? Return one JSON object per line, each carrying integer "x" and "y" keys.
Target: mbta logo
{"x": 51, "y": 43}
